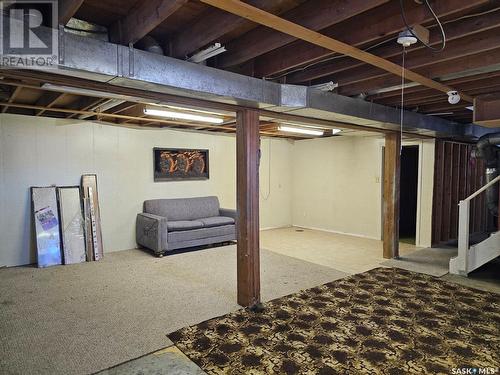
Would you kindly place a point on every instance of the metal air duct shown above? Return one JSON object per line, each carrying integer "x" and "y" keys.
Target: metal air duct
{"x": 488, "y": 149}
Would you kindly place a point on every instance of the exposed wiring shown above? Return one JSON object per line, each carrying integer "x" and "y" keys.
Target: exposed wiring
{"x": 323, "y": 61}
{"x": 268, "y": 194}
{"x": 376, "y": 45}
{"x": 402, "y": 101}
{"x": 443, "y": 35}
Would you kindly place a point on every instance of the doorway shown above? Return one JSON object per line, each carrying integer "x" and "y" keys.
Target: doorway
{"x": 409, "y": 194}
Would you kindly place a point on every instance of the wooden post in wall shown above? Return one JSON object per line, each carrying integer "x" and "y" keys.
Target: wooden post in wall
{"x": 392, "y": 168}
{"x": 247, "y": 175}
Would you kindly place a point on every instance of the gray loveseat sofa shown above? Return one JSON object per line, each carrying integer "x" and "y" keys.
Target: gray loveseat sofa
{"x": 169, "y": 224}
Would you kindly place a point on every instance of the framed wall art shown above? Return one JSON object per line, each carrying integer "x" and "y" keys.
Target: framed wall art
{"x": 172, "y": 164}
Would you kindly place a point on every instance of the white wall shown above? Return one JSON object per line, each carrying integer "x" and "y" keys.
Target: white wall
{"x": 337, "y": 186}
{"x": 44, "y": 151}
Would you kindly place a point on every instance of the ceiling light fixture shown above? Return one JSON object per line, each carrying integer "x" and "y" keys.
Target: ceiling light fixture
{"x": 308, "y": 131}
{"x": 86, "y": 92}
{"x": 207, "y": 53}
{"x": 158, "y": 112}
{"x": 406, "y": 38}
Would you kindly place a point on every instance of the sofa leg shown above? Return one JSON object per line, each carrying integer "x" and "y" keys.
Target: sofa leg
{"x": 159, "y": 255}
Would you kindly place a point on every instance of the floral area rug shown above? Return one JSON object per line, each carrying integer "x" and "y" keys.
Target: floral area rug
{"x": 384, "y": 321}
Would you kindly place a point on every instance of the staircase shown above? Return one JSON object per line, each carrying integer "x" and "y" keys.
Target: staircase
{"x": 470, "y": 258}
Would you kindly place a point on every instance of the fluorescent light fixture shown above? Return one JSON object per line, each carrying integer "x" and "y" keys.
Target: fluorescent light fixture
{"x": 299, "y": 130}
{"x": 207, "y": 53}
{"x": 327, "y": 86}
{"x": 86, "y": 92}
{"x": 158, "y": 112}
{"x": 440, "y": 113}
{"x": 204, "y": 111}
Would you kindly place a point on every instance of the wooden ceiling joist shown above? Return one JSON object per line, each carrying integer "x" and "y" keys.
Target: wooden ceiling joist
{"x": 211, "y": 26}
{"x": 454, "y": 31}
{"x": 433, "y": 70}
{"x": 48, "y": 100}
{"x": 365, "y": 29}
{"x": 420, "y": 92}
{"x": 487, "y": 110}
{"x": 13, "y": 96}
{"x": 142, "y": 19}
{"x": 67, "y": 9}
{"x": 455, "y": 50}
{"x": 300, "y": 32}
{"x": 313, "y": 14}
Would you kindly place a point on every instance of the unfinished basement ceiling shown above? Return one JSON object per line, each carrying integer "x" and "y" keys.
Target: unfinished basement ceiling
{"x": 182, "y": 28}
{"x": 472, "y": 30}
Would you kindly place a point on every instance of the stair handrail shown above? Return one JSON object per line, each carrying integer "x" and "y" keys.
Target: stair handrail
{"x": 485, "y": 187}
{"x": 463, "y": 226}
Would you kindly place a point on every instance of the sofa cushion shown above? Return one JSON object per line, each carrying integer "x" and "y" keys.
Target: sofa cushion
{"x": 183, "y": 208}
{"x": 173, "y": 226}
{"x": 216, "y": 221}
{"x": 195, "y": 234}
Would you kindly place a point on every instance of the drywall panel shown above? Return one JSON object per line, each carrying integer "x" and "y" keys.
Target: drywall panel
{"x": 337, "y": 185}
{"x": 123, "y": 161}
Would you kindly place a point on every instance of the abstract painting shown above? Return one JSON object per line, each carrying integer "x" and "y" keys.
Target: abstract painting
{"x": 180, "y": 164}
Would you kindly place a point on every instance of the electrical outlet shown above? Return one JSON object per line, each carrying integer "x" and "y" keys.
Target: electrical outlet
{"x": 377, "y": 179}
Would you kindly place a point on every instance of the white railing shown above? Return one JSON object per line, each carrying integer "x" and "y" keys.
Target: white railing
{"x": 460, "y": 264}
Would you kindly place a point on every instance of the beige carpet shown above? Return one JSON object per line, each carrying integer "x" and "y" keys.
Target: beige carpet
{"x": 86, "y": 317}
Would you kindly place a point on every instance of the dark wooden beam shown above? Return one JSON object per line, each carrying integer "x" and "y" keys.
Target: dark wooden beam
{"x": 211, "y": 26}
{"x": 13, "y": 96}
{"x": 47, "y": 100}
{"x": 417, "y": 94}
{"x": 487, "y": 110}
{"x": 392, "y": 169}
{"x": 311, "y": 36}
{"x": 247, "y": 176}
{"x": 369, "y": 27}
{"x": 313, "y": 14}
{"x": 67, "y": 9}
{"x": 456, "y": 49}
{"x": 142, "y": 19}
{"x": 432, "y": 70}
{"x": 454, "y": 30}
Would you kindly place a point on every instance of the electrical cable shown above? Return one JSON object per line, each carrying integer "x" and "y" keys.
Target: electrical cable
{"x": 323, "y": 61}
{"x": 443, "y": 35}
{"x": 266, "y": 196}
{"x": 402, "y": 101}
{"x": 376, "y": 45}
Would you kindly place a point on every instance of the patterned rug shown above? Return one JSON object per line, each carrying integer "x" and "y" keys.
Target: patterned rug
{"x": 384, "y": 321}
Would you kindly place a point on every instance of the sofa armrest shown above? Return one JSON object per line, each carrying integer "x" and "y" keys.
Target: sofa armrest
{"x": 228, "y": 213}
{"x": 151, "y": 232}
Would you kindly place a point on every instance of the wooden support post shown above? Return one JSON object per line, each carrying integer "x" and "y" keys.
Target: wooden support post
{"x": 392, "y": 167}
{"x": 247, "y": 152}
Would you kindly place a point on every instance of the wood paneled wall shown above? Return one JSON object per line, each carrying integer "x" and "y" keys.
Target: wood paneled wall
{"x": 456, "y": 176}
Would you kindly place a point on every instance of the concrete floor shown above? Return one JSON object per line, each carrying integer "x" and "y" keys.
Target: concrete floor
{"x": 341, "y": 252}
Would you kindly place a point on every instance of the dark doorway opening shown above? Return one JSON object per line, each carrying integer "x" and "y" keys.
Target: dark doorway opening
{"x": 409, "y": 194}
